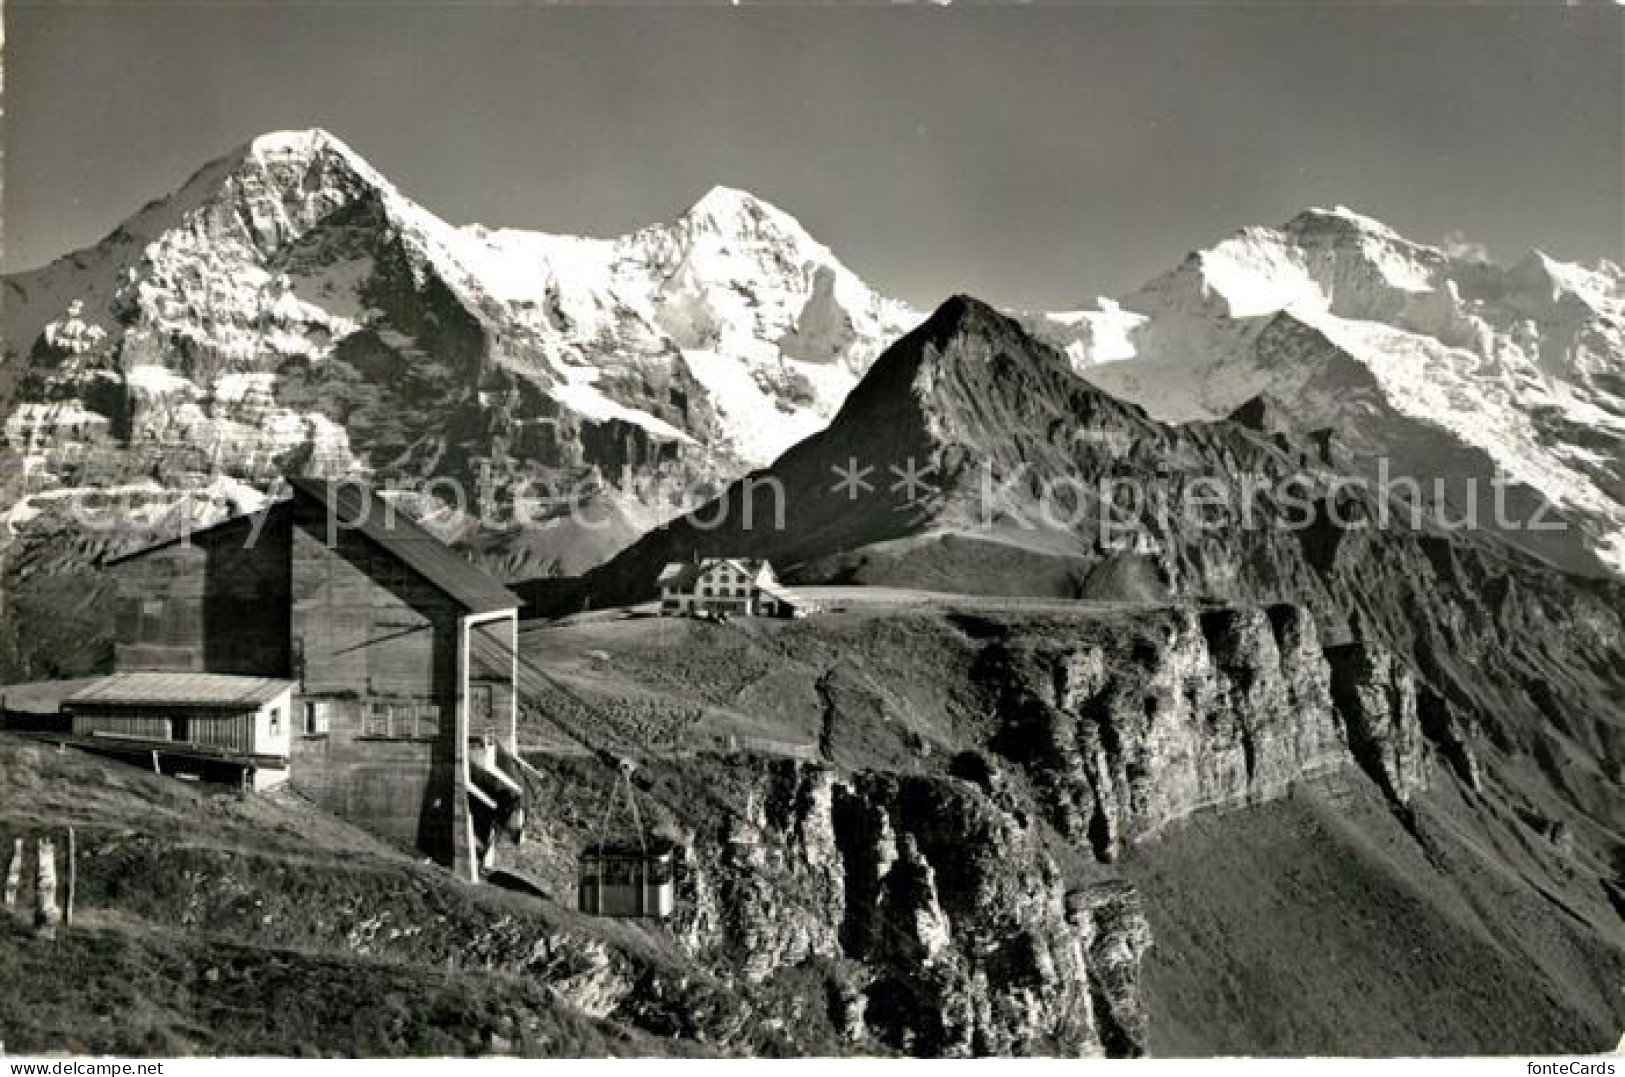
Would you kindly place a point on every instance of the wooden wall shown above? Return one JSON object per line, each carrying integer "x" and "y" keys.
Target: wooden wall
{"x": 367, "y": 627}
{"x": 242, "y": 731}
{"x": 141, "y": 724}
{"x": 376, "y": 641}
{"x": 228, "y": 732}
{"x": 367, "y": 641}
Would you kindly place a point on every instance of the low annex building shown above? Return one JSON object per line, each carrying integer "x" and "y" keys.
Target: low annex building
{"x": 399, "y": 656}
{"x": 734, "y": 586}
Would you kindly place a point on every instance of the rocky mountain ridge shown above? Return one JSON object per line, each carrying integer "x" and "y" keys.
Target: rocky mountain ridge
{"x": 1041, "y": 484}
{"x": 962, "y": 854}
{"x": 289, "y": 309}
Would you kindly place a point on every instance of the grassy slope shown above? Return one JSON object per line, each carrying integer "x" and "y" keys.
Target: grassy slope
{"x": 678, "y": 685}
{"x": 1319, "y": 925}
{"x": 213, "y": 925}
{"x": 112, "y": 987}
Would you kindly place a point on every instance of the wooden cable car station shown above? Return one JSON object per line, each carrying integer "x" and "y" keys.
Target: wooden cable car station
{"x": 330, "y": 642}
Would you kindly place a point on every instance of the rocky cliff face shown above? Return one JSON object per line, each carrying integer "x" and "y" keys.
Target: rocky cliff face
{"x": 1377, "y": 698}
{"x": 944, "y": 924}
{"x": 961, "y": 896}
{"x": 1225, "y": 708}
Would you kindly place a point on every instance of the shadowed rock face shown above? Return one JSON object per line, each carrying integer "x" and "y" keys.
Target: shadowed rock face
{"x": 1376, "y": 697}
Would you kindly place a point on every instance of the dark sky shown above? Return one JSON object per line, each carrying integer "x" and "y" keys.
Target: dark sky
{"x": 1037, "y": 155}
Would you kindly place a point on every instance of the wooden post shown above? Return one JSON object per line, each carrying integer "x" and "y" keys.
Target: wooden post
{"x": 73, "y": 878}
{"x": 46, "y": 913}
{"x": 14, "y": 874}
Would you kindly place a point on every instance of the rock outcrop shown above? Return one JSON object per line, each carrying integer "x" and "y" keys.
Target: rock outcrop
{"x": 1213, "y": 709}
{"x": 940, "y": 923}
{"x": 1113, "y": 920}
{"x": 1376, "y": 697}
{"x": 1453, "y": 733}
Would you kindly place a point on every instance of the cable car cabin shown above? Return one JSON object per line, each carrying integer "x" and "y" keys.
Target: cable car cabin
{"x": 627, "y": 880}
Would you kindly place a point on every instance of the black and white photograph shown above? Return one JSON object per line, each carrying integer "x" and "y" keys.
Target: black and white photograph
{"x": 784, "y": 530}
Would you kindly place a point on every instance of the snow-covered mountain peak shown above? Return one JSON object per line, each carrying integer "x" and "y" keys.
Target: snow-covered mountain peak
{"x": 311, "y": 166}
{"x": 733, "y": 235}
{"x": 767, "y": 317}
{"x": 1546, "y": 279}
{"x": 1335, "y": 261}
{"x": 1340, "y": 220}
{"x": 731, "y": 211}
{"x": 1444, "y": 362}
{"x": 303, "y": 144}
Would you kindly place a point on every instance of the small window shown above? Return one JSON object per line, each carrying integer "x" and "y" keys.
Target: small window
{"x": 276, "y": 721}
{"x": 376, "y": 722}
{"x": 152, "y": 620}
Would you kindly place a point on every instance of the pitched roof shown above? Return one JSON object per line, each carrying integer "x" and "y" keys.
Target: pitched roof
{"x": 787, "y": 596}
{"x": 679, "y": 575}
{"x": 359, "y": 507}
{"x": 191, "y": 534}
{"x": 180, "y": 690}
{"x": 683, "y": 574}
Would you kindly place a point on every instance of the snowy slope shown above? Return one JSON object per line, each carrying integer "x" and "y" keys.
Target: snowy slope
{"x": 1450, "y": 368}
{"x": 732, "y": 277}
